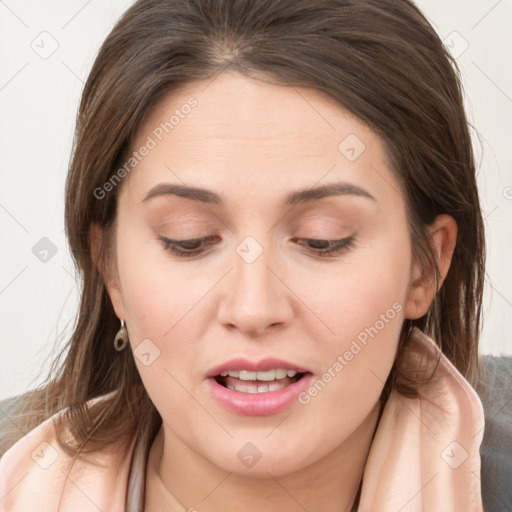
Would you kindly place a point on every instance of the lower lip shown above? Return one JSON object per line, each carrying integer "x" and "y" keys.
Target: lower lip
{"x": 259, "y": 404}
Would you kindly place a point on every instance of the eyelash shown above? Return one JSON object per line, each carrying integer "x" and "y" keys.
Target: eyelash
{"x": 339, "y": 246}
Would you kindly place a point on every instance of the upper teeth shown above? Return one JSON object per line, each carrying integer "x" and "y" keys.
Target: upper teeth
{"x": 268, "y": 375}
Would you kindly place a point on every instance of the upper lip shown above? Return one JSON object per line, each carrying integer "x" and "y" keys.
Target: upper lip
{"x": 241, "y": 363}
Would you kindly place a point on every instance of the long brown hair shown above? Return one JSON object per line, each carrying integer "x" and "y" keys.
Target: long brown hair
{"x": 380, "y": 59}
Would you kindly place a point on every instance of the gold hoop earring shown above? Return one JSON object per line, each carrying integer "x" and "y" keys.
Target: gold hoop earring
{"x": 121, "y": 339}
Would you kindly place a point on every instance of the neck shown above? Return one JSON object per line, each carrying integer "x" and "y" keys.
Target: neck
{"x": 180, "y": 480}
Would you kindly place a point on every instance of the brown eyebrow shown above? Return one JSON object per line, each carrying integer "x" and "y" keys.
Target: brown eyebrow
{"x": 297, "y": 197}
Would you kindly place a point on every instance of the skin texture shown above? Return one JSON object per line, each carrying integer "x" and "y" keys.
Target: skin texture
{"x": 253, "y": 143}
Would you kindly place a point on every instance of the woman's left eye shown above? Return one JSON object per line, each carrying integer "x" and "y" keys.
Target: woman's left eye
{"x": 329, "y": 247}
{"x": 194, "y": 246}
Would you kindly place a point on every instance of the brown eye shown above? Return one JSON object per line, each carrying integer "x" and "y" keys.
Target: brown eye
{"x": 195, "y": 246}
{"x": 186, "y": 248}
{"x": 328, "y": 247}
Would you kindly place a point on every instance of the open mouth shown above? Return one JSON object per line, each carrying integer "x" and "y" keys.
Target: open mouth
{"x": 258, "y": 389}
{"x": 245, "y": 381}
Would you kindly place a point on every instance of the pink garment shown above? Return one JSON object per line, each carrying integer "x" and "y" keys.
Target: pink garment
{"x": 424, "y": 457}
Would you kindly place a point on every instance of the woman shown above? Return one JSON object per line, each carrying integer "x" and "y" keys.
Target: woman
{"x": 273, "y": 204}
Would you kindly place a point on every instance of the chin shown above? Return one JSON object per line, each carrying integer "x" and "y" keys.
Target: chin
{"x": 258, "y": 459}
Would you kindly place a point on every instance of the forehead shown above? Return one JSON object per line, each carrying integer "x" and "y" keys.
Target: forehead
{"x": 246, "y": 131}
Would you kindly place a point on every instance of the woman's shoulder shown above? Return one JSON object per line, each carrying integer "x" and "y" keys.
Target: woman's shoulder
{"x": 495, "y": 391}
{"x": 36, "y": 473}
{"x": 30, "y": 469}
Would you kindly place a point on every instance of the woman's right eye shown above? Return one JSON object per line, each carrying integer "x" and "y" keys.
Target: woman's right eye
{"x": 185, "y": 248}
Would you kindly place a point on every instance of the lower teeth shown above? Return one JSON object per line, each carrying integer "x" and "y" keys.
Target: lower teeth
{"x": 264, "y": 387}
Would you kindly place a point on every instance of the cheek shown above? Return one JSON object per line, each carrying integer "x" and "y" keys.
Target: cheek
{"x": 163, "y": 307}
{"x": 362, "y": 289}
{"x": 157, "y": 299}
{"x": 362, "y": 309}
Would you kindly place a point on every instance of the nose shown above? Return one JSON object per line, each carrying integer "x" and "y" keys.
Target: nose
{"x": 255, "y": 297}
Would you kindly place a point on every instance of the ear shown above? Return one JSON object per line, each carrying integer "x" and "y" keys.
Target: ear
{"x": 443, "y": 238}
{"x": 110, "y": 278}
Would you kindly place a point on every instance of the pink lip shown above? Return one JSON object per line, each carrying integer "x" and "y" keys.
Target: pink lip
{"x": 255, "y": 366}
{"x": 259, "y": 404}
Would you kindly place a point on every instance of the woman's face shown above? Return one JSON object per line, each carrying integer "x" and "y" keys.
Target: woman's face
{"x": 258, "y": 289}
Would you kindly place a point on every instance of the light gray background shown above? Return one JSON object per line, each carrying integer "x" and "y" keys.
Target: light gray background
{"x": 39, "y": 95}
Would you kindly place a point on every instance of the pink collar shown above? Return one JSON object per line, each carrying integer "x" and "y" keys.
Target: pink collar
{"x": 425, "y": 454}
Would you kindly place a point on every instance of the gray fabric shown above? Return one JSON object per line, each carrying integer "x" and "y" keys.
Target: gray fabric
{"x": 495, "y": 391}
{"x": 8, "y": 410}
